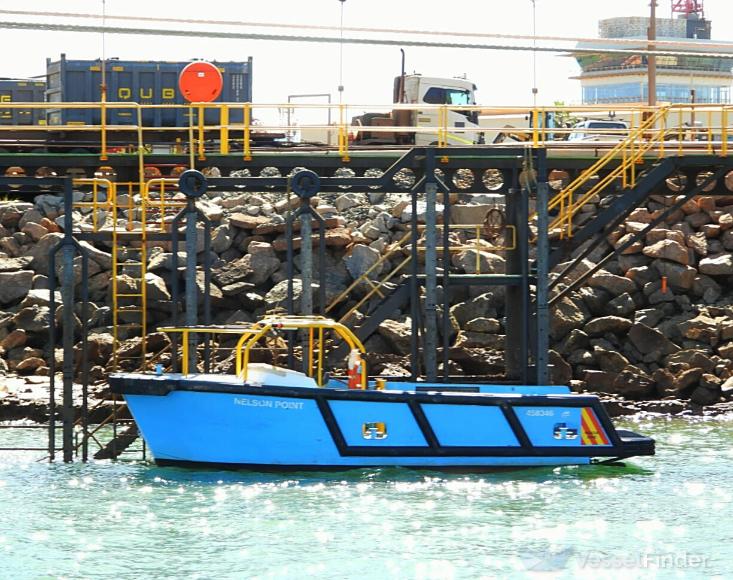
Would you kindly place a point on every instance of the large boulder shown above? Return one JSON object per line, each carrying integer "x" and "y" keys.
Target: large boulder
{"x": 599, "y": 381}
{"x": 633, "y": 385}
{"x": 470, "y": 339}
{"x": 100, "y": 347}
{"x": 691, "y": 358}
{"x": 609, "y": 360}
{"x": 40, "y": 296}
{"x": 221, "y": 239}
{"x": 397, "y": 334}
{"x": 575, "y": 340}
{"x": 15, "y": 285}
{"x": 622, "y": 305}
{"x": 360, "y": 260}
{"x": 347, "y": 201}
{"x": 561, "y": 373}
{"x": 648, "y": 340}
{"x": 255, "y": 268}
{"x": 686, "y": 381}
{"x": 12, "y": 212}
{"x": 701, "y": 328}
{"x": 155, "y": 288}
{"x": 566, "y": 315}
{"x": 15, "y": 264}
{"x": 40, "y": 251}
{"x": 613, "y": 324}
{"x": 669, "y": 250}
{"x": 262, "y": 260}
{"x": 103, "y": 259}
{"x": 720, "y": 265}
{"x": 33, "y": 319}
{"x": 481, "y": 306}
{"x": 614, "y": 285}
{"x": 488, "y": 263}
{"x": 469, "y": 214}
{"x": 708, "y": 391}
{"x": 481, "y": 324}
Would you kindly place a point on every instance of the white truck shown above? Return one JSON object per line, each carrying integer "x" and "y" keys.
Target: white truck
{"x": 462, "y": 125}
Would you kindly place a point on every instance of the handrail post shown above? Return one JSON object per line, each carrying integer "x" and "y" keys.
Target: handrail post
{"x": 343, "y": 134}
{"x": 103, "y": 113}
{"x": 662, "y": 130}
{"x": 724, "y": 145}
{"x": 201, "y": 150}
{"x": 680, "y": 132}
{"x": 224, "y": 130}
{"x": 443, "y": 129}
{"x": 184, "y": 352}
{"x": 140, "y": 153}
{"x": 247, "y": 123}
{"x": 191, "y": 142}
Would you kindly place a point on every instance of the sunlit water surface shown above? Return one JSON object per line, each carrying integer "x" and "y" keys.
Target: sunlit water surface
{"x": 661, "y": 517}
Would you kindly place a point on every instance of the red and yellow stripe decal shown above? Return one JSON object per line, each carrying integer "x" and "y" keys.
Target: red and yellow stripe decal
{"x": 591, "y": 431}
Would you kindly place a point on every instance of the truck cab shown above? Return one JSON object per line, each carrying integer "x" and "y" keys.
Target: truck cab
{"x": 438, "y": 91}
{"x": 416, "y": 90}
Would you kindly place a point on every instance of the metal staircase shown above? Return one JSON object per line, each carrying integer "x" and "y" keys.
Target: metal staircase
{"x": 607, "y": 171}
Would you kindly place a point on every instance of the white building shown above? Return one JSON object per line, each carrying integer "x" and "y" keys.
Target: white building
{"x": 622, "y": 78}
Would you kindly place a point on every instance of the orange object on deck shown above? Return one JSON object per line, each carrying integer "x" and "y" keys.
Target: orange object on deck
{"x": 354, "y": 370}
{"x": 200, "y": 82}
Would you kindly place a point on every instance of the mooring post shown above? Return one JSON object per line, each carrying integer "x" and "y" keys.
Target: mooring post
{"x": 305, "y": 184}
{"x": 306, "y": 259}
{"x": 193, "y": 185}
{"x": 191, "y": 286}
{"x": 306, "y": 274}
{"x": 67, "y": 320}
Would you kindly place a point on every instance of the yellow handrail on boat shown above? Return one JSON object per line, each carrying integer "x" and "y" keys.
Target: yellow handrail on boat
{"x": 252, "y": 333}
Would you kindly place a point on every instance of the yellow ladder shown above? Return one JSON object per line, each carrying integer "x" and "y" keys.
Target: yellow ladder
{"x": 127, "y": 260}
{"x": 129, "y": 265}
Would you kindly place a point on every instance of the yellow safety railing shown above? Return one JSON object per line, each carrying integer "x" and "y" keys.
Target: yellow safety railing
{"x": 632, "y": 150}
{"x": 162, "y": 204}
{"x": 531, "y": 122}
{"x": 478, "y": 244}
{"x": 251, "y": 334}
{"x": 110, "y": 194}
{"x": 375, "y": 286}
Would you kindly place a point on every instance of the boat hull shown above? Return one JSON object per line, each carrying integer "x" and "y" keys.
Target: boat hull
{"x": 189, "y": 421}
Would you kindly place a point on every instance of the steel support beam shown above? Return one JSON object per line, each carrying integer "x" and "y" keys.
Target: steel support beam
{"x": 542, "y": 317}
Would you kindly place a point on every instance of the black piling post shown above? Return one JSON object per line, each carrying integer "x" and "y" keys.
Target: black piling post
{"x": 52, "y": 356}
{"x": 514, "y": 314}
{"x": 67, "y": 296}
{"x": 542, "y": 329}
{"x": 414, "y": 293}
{"x": 193, "y": 185}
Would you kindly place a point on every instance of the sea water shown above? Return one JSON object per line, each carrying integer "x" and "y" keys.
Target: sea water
{"x": 668, "y": 516}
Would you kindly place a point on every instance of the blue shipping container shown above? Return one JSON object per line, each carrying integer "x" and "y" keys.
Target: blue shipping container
{"x": 22, "y": 91}
{"x": 144, "y": 82}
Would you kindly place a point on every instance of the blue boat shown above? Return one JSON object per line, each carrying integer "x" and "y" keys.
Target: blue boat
{"x": 268, "y": 417}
